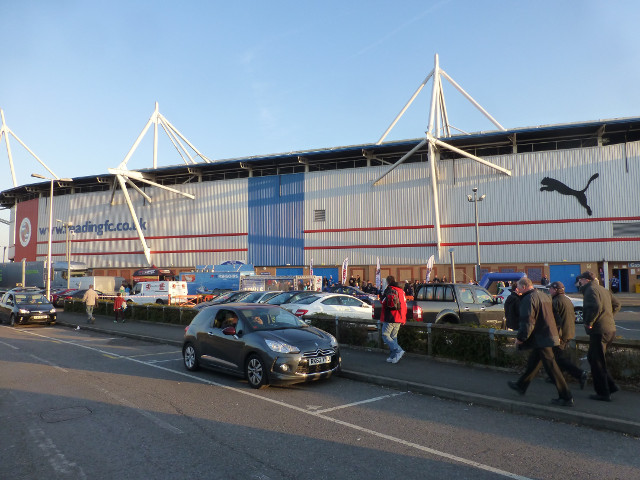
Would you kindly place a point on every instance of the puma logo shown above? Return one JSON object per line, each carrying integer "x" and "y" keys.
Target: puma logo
{"x": 553, "y": 185}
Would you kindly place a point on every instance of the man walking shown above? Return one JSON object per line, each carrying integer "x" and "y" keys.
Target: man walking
{"x": 566, "y": 323}
{"x": 90, "y": 299}
{"x": 538, "y": 331}
{"x": 598, "y": 310}
{"x": 393, "y": 314}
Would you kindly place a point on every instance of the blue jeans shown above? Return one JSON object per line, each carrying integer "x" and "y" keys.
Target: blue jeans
{"x": 390, "y": 337}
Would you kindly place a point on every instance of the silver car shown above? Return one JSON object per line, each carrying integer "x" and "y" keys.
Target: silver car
{"x": 262, "y": 343}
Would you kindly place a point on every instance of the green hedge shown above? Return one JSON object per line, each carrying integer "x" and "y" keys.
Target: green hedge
{"x": 150, "y": 313}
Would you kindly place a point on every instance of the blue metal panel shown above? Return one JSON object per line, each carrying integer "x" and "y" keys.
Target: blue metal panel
{"x": 566, "y": 274}
{"x": 275, "y": 220}
{"x": 290, "y": 271}
{"x": 330, "y": 273}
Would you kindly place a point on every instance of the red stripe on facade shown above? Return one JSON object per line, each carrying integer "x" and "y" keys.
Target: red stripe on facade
{"x": 371, "y": 229}
{"x": 163, "y": 237}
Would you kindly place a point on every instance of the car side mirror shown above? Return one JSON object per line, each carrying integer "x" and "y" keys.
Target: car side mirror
{"x": 229, "y": 331}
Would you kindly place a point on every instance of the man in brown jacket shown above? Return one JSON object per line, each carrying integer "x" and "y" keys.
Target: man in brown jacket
{"x": 598, "y": 310}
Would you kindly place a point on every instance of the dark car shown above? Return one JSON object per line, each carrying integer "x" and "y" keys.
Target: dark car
{"x": 227, "y": 297}
{"x": 262, "y": 343}
{"x": 354, "y": 292}
{"x": 287, "y": 297}
{"x": 75, "y": 295}
{"x": 57, "y": 298}
{"x": 22, "y": 306}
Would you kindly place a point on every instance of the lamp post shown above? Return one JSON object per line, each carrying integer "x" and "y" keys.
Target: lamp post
{"x": 453, "y": 265}
{"x": 66, "y": 231}
{"x": 37, "y": 175}
{"x": 475, "y": 201}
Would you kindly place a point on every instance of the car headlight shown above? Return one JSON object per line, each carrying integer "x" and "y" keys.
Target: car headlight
{"x": 53, "y": 310}
{"x": 22, "y": 311}
{"x": 281, "y": 347}
{"x": 332, "y": 339}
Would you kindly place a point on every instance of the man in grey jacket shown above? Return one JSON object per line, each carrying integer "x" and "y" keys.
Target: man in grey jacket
{"x": 598, "y": 310}
{"x": 538, "y": 331}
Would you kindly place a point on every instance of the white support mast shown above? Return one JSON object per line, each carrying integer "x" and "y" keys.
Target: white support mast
{"x": 438, "y": 122}
{"x": 5, "y": 131}
{"x": 125, "y": 177}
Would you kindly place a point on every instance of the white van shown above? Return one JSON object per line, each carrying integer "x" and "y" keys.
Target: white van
{"x": 158, "y": 292}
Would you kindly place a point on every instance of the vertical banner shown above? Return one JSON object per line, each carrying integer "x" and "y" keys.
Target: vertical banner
{"x": 26, "y": 231}
{"x": 429, "y": 268}
{"x": 378, "y": 280}
{"x": 345, "y": 266}
{"x": 311, "y": 267}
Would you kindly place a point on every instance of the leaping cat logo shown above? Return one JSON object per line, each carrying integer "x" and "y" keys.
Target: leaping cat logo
{"x": 553, "y": 185}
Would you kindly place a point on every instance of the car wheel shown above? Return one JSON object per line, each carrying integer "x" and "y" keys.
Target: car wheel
{"x": 12, "y": 320}
{"x": 256, "y": 372}
{"x": 579, "y": 317}
{"x": 190, "y": 357}
{"x": 159, "y": 302}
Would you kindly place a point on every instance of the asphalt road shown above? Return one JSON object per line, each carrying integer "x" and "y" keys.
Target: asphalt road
{"x": 627, "y": 325}
{"x": 78, "y": 404}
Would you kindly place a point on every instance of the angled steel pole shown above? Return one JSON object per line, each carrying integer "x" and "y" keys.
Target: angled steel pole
{"x": 404, "y": 109}
{"x": 432, "y": 152}
{"x": 4, "y": 130}
{"x": 134, "y": 216}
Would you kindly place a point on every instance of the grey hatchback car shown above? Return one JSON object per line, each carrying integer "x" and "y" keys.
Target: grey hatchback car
{"x": 262, "y": 343}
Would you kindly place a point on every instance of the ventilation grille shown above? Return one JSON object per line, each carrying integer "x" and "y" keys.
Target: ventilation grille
{"x": 626, "y": 229}
{"x": 318, "y": 215}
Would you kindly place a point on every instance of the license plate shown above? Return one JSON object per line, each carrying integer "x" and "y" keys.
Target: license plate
{"x": 39, "y": 317}
{"x": 319, "y": 360}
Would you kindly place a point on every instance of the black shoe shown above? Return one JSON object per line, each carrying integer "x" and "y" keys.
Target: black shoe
{"x": 602, "y": 398}
{"x": 562, "y": 402}
{"x": 583, "y": 380}
{"x": 516, "y": 387}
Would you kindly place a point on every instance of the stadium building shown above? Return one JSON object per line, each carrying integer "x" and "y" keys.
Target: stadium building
{"x": 551, "y": 200}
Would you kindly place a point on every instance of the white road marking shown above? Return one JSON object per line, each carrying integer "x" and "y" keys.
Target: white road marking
{"x": 390, "y": 438}
{"x": 9, "y": 345}
{"x": 369, "y": 400}
{"x": 49, "y": 363}
{"x": 54, "y": 456}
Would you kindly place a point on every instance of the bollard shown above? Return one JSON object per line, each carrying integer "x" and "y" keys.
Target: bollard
{"x": 380, "y": 342}
{"x": 429, "y": 342}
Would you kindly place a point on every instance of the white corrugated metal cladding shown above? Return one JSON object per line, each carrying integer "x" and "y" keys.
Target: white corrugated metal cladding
{"x": 542, "y": 213}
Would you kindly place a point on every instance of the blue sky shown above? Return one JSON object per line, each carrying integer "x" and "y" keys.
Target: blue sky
{"x": 79, "y": 79}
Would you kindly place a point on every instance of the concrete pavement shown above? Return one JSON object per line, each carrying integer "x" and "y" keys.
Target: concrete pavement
{"x": 478, "y": 385}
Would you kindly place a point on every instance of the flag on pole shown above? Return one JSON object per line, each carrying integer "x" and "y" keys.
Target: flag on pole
{"x": 378, "y": 280}
{"x": 311, "y": 267}
{"x": 429, "y": 267}
{"x": 345, "y": 266}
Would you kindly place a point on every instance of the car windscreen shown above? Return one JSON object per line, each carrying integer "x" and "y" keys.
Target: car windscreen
{"x": 252, "y": 297}
{"x": 31, "y": 299}
{"x": 278, "y": 299}
{"x": 306, "y": 300}
{"x": 260, "y": 318}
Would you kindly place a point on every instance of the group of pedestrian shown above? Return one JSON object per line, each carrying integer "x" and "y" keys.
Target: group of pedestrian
{"x": 547, "y": 325}
{"x": 90, "y": 299}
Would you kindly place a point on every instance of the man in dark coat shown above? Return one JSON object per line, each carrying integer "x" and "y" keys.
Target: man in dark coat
{"x": 565, "y": 316}
{"x": 598, "y": 310}
{"x": 538, "y": 331}
{"x": 512, "y": 309}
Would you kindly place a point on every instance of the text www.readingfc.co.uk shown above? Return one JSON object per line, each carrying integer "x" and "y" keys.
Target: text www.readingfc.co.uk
{"x": 97, "y": 228}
